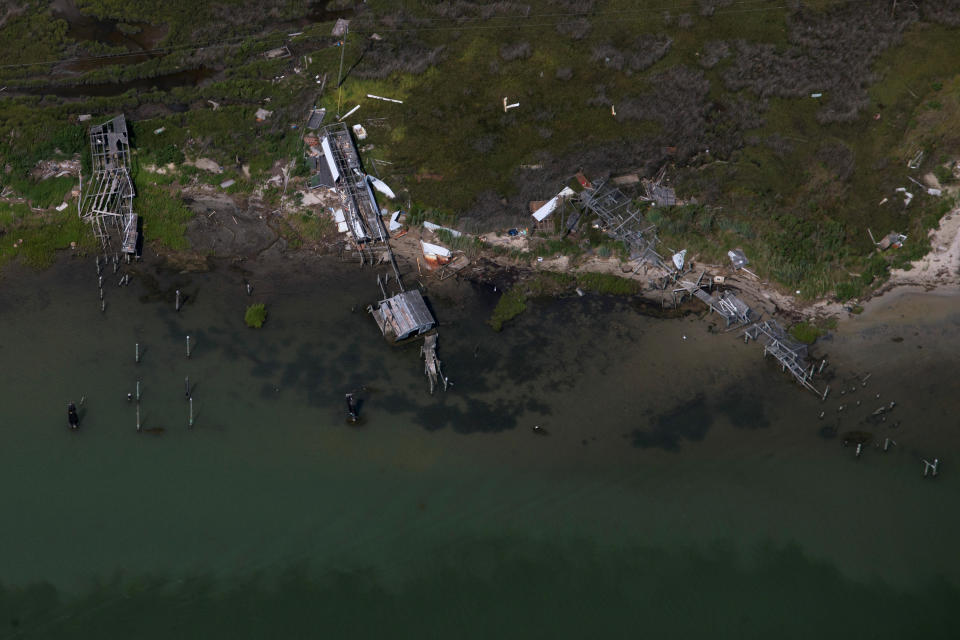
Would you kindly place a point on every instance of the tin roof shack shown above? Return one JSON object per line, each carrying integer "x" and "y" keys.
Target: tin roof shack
{"x": 403, "y": 315}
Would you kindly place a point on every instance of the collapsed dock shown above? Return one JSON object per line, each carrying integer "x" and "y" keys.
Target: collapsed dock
{"x": 726, "y": 304}
{"x": 791, "y": 355}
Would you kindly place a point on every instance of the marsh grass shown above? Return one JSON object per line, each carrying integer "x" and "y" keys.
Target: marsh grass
{"x": 255, "y": 315}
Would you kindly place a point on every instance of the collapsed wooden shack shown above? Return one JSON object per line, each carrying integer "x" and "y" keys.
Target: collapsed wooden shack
{"x": 107, "y": 202}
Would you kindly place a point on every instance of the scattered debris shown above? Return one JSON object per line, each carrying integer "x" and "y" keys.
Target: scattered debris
{"x": 738, "y": 258}
{"x": 157, "y": 132}
{"x": 395, "y": 221}
{"x": 349, "y": 113}
{"x": 227, "y": 183}
{"x": 370, "y": 95}
{"x": 914, "y": 163}
{"x": 215, "y": 105}
{"x": 626, "y": 180}
{"x": 360, "y": 132}
{"x": 435, "y": 254}
{"x": 678, "y": 259}
{"x": 907, "y": 196}
{"x": 315, "y": 119}
{"x": 507, "y": 107}
{"x": 340, "y": 28}
{"x": 84, "y": 118}
{"x": 547, "y": 208}
{"x": 279, "y": 52}
{"x": 892, "y": 239}
{"x": 435, "y": 227}
{"x": 381, "y": 186}
{"x": 816, "y": 95}
{"x": 657, "y": 193}
{"x": 262, "y": 114}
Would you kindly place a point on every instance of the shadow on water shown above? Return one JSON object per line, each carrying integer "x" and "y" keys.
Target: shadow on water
{"x": 687, "y": 421}
{"x": 497, "y": 587}
{"x": 691, "y": 420}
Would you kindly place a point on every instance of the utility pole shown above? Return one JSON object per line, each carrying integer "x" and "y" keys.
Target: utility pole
{"x": 343, "y": 46}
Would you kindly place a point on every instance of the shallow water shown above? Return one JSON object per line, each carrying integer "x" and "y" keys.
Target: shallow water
{"x": 686, "y": 485}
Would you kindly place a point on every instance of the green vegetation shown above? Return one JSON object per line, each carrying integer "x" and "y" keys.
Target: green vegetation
{"x": 721, "y": 96}
{"x": 806, "y": 332}
{"x": 608, "y": 284}
{"x": 164, "y": 215}
{"x": 511, "y": 304}
{"x": 553, "y": 283}
{"x": 42, "y": 234}
{"x": 256, "y": 315}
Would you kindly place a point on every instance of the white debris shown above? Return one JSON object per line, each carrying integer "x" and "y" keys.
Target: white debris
{"x": 394, "y": 224}
{"x": 370, "y": 95}
{"x": 382, "y": 187}
{"x": 227, "y": 183}
{"x": 61, "y": 206}
{"x": 157, "y": 132}
{"x": 678, "y": 259}
{"x": 435, "y": 227}
{"x": 349, "y": 113}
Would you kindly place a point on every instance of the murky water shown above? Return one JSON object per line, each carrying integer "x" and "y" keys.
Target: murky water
{"x": 686, "y": 486}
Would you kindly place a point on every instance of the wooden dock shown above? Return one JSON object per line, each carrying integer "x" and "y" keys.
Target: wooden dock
{"x": 432, "y": 362}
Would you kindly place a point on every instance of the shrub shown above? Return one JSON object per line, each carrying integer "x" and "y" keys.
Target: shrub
{"x": 511, "y": 304}
{"x": 805, "y": 332}
{"x": 608, "y": 284}
{"x": 256, "y": 315}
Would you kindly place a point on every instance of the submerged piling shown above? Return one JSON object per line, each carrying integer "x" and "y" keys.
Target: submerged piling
{"x": 136, "y": 353}
{"x": 138, "y": 413}
{"x": 138, "y": 392}
{"x": 190, "y": 423}
{"x": 177, "y": 303}
{"x": 188, "y": 346}
{"x": 186, "y": 385}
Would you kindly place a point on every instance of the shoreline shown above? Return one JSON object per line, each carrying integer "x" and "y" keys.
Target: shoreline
{"x": 244, "y": 231}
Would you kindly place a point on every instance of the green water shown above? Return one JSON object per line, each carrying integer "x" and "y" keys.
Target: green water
{"x": 685, "y": 489}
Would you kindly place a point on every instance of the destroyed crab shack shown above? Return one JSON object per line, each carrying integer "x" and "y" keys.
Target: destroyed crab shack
{"x": 403, "y": 315}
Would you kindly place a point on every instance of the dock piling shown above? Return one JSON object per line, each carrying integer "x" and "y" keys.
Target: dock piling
{"x": 177, "y": 303}
{"x": 190, "y": 423}
{"x": 138, "y": 415}
{"x": 136, "y": 353}
{"x": 138, "y": 392}
{"x": 186, "y": 385}
{"x": 188, "y": 346}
